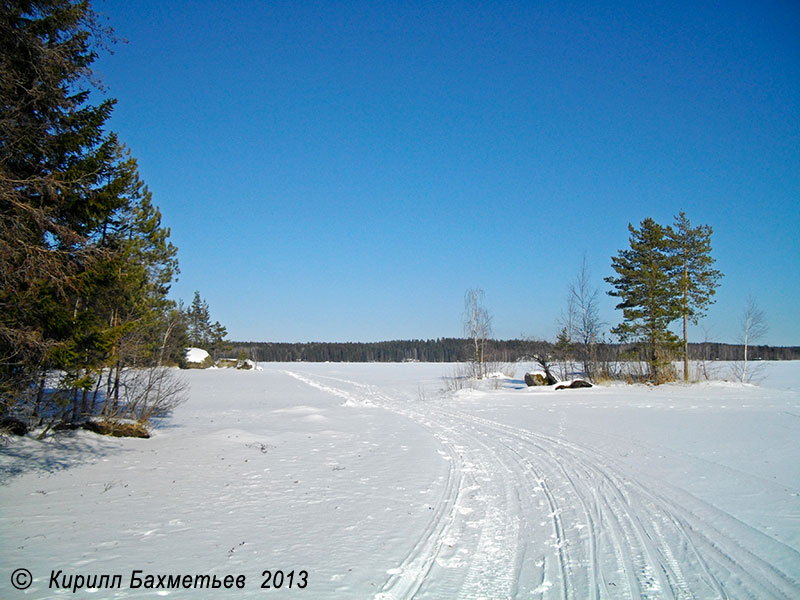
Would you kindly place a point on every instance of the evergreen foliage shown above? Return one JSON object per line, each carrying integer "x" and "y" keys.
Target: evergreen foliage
{"x": 435, "y": 350}
{"x": 696, "y": 278}
{"x": 647, "y": 284}
{"x": 201, "y": 332}
{"x": 451, "y": 350}
{"x": 666, "y": 275}
{"x": 198, "y": 322}
{"x": 563, "y": 350}
{"x": 85, "y": 264}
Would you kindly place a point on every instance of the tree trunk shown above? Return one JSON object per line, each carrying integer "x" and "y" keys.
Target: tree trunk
{"x": 84, "y": 401}
{"x": 39, "y": 395}
{"x": 108, "y": 390}
{"x": 685, "y": 352}
{"x": 74, "y": 405}
{"x": 116, "y": 386}
{"x": 96, "y": 389}
{"x": 685, "y": 318}
{"x": 744, "y": 366}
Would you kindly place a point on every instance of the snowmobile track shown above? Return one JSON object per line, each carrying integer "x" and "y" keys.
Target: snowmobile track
{"x": 525, "y": 514}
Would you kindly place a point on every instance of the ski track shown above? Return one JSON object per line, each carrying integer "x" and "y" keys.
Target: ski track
{"x": 524, "y": 514}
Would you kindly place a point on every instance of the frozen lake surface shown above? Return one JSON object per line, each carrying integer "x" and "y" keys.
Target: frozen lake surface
{"x": 378, "y": 483}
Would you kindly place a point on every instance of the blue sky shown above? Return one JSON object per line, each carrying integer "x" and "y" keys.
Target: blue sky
{"x": 345, "y": 171}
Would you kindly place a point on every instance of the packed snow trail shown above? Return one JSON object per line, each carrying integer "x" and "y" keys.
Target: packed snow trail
{"x": 528, "y": 515}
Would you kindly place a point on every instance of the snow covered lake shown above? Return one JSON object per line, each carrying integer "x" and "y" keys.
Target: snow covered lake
{"x": 372, "y": 481}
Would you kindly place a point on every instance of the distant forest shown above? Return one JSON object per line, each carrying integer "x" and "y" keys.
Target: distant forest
{"x": 458, "y": 350}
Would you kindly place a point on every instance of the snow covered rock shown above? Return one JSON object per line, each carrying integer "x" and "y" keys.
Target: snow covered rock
{"x": 197, "y": 358}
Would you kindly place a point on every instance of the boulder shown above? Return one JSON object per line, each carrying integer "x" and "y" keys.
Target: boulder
{"x": 573, "y": 385}
{"x": 539, "y": 378}
{"x": 532, "y": 379}
{"x": 197, "y": 358}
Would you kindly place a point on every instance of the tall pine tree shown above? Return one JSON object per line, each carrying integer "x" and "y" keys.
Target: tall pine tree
{"x": 646, "y": 284}
{"x": 697, "y": 279}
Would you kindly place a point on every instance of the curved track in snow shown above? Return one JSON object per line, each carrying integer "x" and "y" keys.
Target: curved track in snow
{"x": 528, "y": 515}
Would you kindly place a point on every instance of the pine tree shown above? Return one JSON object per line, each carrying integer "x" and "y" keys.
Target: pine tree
{"x": 696, "y": 278}
{"x": 646, "y": 284}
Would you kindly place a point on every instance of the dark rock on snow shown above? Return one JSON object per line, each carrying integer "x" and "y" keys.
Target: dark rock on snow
{"x": 578, "y": 383}
{"x": 539, "y": 379}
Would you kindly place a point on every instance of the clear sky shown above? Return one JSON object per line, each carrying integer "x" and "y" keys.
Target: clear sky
{"x": 345, "y": 171}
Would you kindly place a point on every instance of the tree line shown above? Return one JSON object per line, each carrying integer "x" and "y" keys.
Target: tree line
{"x": 432, "y": 350}
{"x": 447, "y": 350}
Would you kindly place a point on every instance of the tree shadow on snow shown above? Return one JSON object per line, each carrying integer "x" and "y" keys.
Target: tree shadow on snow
{"x": 516, "y": 384}
{"x": 55, "y": 453}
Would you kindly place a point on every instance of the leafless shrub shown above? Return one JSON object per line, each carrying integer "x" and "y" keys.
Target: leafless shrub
{"x": 151, "y": 392}
{"x": 459, "y": 377}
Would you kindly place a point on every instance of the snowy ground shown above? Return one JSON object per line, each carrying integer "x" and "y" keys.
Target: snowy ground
{"x": 378, "y": 484}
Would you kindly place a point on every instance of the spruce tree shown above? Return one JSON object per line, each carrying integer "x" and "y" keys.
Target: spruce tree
{"x": 697, "y": 279}
{"x": 218, "y": 345}
{"x": 84, "y": 260}
{"x": 52, "y": 159}
{"x": 564, "y": 351}
{"x": 201, "y": 332}
{"x": 646, "y": 284}
{"x": 198, "y": 321}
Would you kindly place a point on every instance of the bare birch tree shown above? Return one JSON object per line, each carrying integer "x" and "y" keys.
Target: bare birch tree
{"x": 586, "y": 322}
{"x": 753, "y": 327}
{"x": 477, "y": 328}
